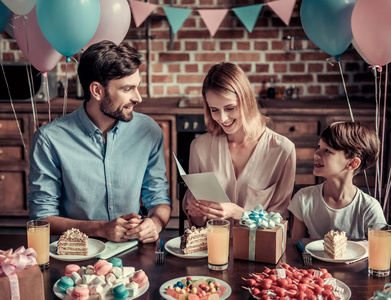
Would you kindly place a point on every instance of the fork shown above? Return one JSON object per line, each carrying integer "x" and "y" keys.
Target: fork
{"x": 307, "y": 258}
{"x": 159, "y": 255}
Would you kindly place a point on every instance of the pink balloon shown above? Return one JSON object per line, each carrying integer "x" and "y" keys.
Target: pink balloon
{"x": 36, "y": 49}
{"x": 114, "y": 22}
{"x": 371, "y": 25}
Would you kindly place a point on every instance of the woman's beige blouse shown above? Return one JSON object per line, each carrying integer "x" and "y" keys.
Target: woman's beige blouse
{"x": 267, "y": 178}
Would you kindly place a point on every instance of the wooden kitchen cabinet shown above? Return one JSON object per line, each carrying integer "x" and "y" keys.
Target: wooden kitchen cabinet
{"x": 14, "y": 158}
{"x": 301, "y": 121}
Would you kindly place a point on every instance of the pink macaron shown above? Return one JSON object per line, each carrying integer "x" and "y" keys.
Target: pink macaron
{"x": 71, "y": 268}
{"x": 140, "y": 278}
{"x": 80, "y": 293}
{"x": 102, "y": 267}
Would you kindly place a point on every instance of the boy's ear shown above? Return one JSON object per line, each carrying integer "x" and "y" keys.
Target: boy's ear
{"x": 96, "y": 90}
{"x": 355, "y": 163}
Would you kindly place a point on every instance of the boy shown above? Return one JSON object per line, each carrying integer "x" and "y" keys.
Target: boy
{"x": 343, "y": 150}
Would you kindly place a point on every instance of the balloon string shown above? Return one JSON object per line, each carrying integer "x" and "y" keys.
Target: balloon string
{"x": 344, "y": 87}
{"x": 377, "y": 174}
{"x": 383, "y": 134}
{"x": 46, "y": 82}
{"x": 11, "y": 102}
{"x": 64, "y": 111}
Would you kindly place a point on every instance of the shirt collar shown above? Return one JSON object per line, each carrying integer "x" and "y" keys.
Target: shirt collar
{"x": 88, "y": 125}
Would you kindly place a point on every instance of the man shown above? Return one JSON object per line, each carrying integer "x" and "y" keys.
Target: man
{"x": 89, "y": 168}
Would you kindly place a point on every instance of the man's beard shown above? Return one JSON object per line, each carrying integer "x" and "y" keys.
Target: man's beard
{"x": 118, "y": 114}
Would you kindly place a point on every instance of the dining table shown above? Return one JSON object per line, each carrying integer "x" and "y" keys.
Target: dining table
{"x": 354, "y": 275}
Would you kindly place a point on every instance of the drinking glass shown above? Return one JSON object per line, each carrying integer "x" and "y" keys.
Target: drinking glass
{"x": 379, "y": 255}
{"x": 218, "y": 244}
{"x": 38, "y": 238}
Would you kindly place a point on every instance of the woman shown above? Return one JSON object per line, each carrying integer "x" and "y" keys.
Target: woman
{"x": 253, "y": 164}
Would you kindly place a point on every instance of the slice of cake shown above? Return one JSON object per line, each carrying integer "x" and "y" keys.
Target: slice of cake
{"x": 335, "y": 243}
{"x": 193, "y": 240}
{"x": 73, "y": 242}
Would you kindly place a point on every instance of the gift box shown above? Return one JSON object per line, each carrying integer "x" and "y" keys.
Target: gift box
{"x": 264, "y": 241}
{"x": 24, "y": 278}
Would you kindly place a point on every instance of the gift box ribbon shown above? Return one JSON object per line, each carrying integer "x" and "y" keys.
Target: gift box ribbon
{"x": 385, "y": 294}
{"x": 258, "y": 218}
{"x": 12, "y": 261}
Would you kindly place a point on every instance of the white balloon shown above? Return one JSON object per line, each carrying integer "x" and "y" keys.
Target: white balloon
{"x": 20, "y": 7}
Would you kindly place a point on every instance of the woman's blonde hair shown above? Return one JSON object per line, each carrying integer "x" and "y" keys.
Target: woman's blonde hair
{"x": 229, "y": 80}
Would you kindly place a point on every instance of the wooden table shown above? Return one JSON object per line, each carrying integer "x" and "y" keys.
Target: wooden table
{"x": 142, "y": 257}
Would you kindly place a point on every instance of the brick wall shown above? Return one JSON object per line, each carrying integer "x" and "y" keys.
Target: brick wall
{"x": 176, "y": 67}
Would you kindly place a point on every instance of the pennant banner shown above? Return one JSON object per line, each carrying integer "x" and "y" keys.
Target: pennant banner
{"x": 213, "y": 18}
{"x": 283, "y": 9}
{"x": 141, "y": 11}
{"x": 176, "y": 17}
{"x": 248, "y": 15}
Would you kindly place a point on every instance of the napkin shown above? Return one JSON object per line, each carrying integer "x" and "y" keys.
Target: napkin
{"x": 113, "y": 248}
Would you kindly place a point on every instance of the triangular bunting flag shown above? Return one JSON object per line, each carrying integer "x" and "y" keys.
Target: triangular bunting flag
{"x": 283, "y": 9}
{"x": 212, "y": 18}
{"x": 141, "y": 11}
{"x": 248, "y": 15}
{"x": 176, "y": 17}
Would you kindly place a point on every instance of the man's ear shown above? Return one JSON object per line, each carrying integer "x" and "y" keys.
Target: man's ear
{"x": 96, "y": 90}
{"x": 355, "y": 163}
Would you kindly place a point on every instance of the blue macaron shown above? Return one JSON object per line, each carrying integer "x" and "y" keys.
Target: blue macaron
{"x": 120, "y": 292}
{"x": 117, "y": 262}
{"x": 64, "y": 283}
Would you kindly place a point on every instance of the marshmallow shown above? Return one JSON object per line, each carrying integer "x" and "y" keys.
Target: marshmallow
{"x": 69, "y": 291}
{"x": 116, "y": 271}
{"x": 106, "y": 289}
{"x": 110, "y": 277}
{"x": 82, "y": 271}
{"x": 128, "y": 271}
{"x": 89, "y": 270}
{"x": 88, "y": 278}
{"x": 98, "y": 280}
{"x": 132, "y": 288}
{"x": 76, "y": 278}
{"x": 96, "y": 289}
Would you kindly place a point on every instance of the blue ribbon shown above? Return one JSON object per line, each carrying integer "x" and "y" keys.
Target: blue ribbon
{"x": 258, "y": 218}
{"x": 384, "y": 295}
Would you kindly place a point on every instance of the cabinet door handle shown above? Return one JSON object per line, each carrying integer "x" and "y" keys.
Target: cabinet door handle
{"x": 2, "y": 177}
{"x": 293, "y": 128}
{"x": 1, "y": 151}
{"x": 1, "y": 125}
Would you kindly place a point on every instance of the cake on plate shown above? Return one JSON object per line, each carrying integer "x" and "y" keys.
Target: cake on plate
{"x": 73, "y": 242}
{"x": 193, "y": 240}
{"x": 335, "y": 243}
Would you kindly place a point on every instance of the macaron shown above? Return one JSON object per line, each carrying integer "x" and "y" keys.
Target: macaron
{"x": 102, "y": 267}
{"x": 71, "y": 268}
{"x": 80, "y": 293}
{"x": 140, "y": 278}
{"x": 120, "y": 292}
{"x": 117, "y": 262}
{"x": 64, "y": 283}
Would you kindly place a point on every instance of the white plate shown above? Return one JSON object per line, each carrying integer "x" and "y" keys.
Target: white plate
{"x": 96, "y": 297}
{"x": 346, "y": 290}
{"x": 95, "y": 247}
{"x": 173, "y": 246}
{"x": 353, "y": 251}
{"x": 164, "y": 286}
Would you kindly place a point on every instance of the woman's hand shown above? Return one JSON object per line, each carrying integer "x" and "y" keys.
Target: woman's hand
{"x": 213, "y": 210}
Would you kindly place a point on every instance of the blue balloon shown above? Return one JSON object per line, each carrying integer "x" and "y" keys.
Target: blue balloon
{"x": 5, "y": 15}
{"x": 327, "y": 23}
{"x": 68, "y": 24}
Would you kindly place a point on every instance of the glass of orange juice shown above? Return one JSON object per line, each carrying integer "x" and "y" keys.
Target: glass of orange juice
{"x": 218, "y": 244}
{"x": 38, "y": 238}
{"x": 379, "y": 255}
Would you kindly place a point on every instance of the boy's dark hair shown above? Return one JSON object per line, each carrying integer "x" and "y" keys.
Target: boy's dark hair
{"x": 105, "y": 61}
{"x": 356, "y": 139}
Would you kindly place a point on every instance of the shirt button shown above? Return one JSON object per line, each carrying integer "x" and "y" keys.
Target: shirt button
{"x": 110, "y": 207}
{"x": 109, "y": 184}
{"x": 101, "y": 140}
{"x": 107, "y": 160}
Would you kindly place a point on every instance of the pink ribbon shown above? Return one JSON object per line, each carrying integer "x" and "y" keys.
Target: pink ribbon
{"x": 12, "y": 261}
